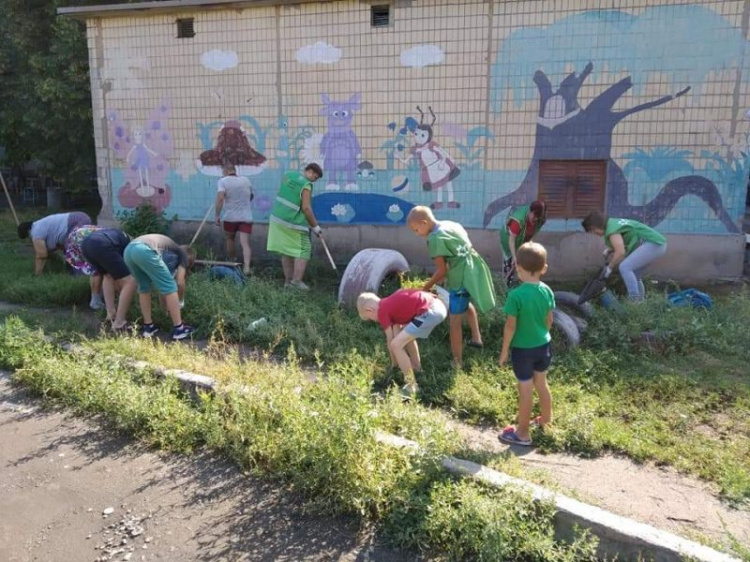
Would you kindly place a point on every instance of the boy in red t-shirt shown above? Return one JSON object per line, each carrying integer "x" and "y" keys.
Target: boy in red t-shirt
{"x": 406, "y": 315}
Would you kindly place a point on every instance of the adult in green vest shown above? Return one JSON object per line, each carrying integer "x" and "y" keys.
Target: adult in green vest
{"x": 631, "y": 245}
{"x": 290, "y": 224}
{"x": 520, "y": 227}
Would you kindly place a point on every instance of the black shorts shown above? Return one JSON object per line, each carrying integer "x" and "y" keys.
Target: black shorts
{"x": 527, "y": 361}
{"x": 104, "y": 248}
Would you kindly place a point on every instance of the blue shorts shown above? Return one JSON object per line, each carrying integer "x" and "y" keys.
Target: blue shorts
{"x": 421, "y": 326}
{"x": 149, "y": 269}
{"x": 527, "y": 361}
{"x": 459, "y": 301}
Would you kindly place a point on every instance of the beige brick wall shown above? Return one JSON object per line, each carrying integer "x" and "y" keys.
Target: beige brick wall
{"x": 137, "y": 62}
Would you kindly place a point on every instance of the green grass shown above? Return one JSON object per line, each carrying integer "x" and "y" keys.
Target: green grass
{"x": 684, "y": 404}
{"x": 319, "y": 437}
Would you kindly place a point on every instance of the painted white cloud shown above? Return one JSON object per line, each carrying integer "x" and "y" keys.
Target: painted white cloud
{"x": 420, "y": 56}
{"x": 318, "y": 53}
{"x": 219, "y": 61}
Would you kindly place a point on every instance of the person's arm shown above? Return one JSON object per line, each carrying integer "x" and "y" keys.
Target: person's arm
{"x": 618, "y": 245}
{"x": 389, "y": 335}
{"x": 512, "y": 243}
{"x": 40, "y": 255}
{"x": 441, "y": 270}
{"x": 307, "y": 210}
{"x": 508, "y": 333}
{"x": 514, "y": 229}
{"x": 550, "y": 318}
{"x": 219, "y": 205}
{"x": 180, "y": 276}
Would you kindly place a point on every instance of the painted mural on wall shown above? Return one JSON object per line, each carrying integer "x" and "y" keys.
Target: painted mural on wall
{"x": 422, "y": 158}
{"x": 146, "y": 151}
{"x": 566, "y": 131}
{"x": 437, "y": 169}
{"x": 232, "y": 147}
{"x": 339, "y": 147}
{"x": 697, "y": 42}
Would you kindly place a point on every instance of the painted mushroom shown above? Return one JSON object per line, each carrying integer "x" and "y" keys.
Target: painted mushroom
{"x": 232, "y": 147}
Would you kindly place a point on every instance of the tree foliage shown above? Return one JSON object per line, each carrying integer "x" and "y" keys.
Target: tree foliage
{"x": 45, "y": 106}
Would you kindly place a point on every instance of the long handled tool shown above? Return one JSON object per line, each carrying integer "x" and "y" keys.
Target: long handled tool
{"x": 10, "y": 202}
{"x": 205, "y": 218}
{"x": 328, "y": 253}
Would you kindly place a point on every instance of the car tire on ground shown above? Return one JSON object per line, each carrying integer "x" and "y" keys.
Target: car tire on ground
{"x": 366, "y": 272}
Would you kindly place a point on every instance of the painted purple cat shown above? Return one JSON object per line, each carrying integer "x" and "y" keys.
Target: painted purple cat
{"x": 340, "y": 147}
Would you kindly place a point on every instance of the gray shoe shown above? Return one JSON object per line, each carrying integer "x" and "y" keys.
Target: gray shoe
{"x": 301, "y": 285}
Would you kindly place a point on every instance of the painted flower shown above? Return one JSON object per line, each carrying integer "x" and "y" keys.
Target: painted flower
{"x": 394, "y": 208}
{"x": 338, "y": 210}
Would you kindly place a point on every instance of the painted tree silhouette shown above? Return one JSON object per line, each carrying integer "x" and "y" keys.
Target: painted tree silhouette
{"x": 566, "y": 131}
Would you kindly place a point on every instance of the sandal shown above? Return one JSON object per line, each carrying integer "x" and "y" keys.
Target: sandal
{"x": 475, "y": 344}
{"x": 509, "y": 436}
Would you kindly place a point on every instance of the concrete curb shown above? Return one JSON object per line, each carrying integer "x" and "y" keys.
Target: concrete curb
{"x": 619, "y": 537}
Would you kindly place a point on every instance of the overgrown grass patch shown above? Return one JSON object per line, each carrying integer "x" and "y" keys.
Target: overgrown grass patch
{"x": 320, "y": 438}
{"x": 683, "y": 403}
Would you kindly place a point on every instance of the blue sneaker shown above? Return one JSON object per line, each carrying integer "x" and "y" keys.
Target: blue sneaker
{"x": 149, "y": 330}
{"x": 182, "y": 331}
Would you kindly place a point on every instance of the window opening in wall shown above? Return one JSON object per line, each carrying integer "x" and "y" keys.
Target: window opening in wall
{"x": 185, "y": 28}
{"x": 380, "y": 16}
{"x": 572, "y": 188}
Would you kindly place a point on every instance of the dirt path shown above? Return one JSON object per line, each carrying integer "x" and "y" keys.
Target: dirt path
{"x": 644, "y": 492}
{"x": 59, "y": 473}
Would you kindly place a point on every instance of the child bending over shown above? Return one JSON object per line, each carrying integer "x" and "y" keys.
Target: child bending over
{"x": 406, "y": 315}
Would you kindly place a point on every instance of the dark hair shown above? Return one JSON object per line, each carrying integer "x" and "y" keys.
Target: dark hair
{"x": 539, "y": 209}
{"x": 595, "y": 219}
{"x": 532, "y": 257}
{"x": 315, "y": 168}
{"x": 23, "y": 229}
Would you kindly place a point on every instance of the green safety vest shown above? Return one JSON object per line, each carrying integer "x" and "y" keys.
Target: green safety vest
{"x": 519, "y": 215}
{"x": 286, "y": 209}
{"x": 633, "y": 233}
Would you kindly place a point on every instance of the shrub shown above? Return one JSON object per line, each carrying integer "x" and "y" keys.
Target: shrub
{"x": 145, "y": 219}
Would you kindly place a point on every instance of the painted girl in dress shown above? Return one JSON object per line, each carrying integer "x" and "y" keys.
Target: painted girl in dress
{"x": 437, "y": 168}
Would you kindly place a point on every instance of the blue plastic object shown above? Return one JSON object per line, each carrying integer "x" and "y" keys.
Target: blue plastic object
{"x": 691, "y": 297}
{"x": 224, "y": 272}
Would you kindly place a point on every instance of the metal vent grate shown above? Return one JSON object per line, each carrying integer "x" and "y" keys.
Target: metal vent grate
{"x": 380, "y": 16}
{"x": 185, "y": 28}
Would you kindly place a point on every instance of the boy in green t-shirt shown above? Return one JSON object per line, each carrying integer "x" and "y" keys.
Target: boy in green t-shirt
{"x": 467, "y": 276}
{"x": 527, "y": 339}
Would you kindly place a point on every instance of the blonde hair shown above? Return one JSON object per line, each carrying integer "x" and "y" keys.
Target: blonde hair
{"x": 532, "y": 257}
{"x": 420, "y": 213}
{"x": 365, "y": 301}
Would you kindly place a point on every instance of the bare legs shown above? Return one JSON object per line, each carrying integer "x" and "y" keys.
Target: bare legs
{"x": 231, "y": 249}
{"x": 294, "y": 269}
{"x": 457, "y": 332}
{"x": 405, "y": 353}
{"x": 526, "y": 401}
{"x": 172, "y": 303}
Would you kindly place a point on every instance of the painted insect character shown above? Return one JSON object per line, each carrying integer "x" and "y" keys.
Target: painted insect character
{"x": 437, "y": 168}
{"x": 339, "y": 146}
